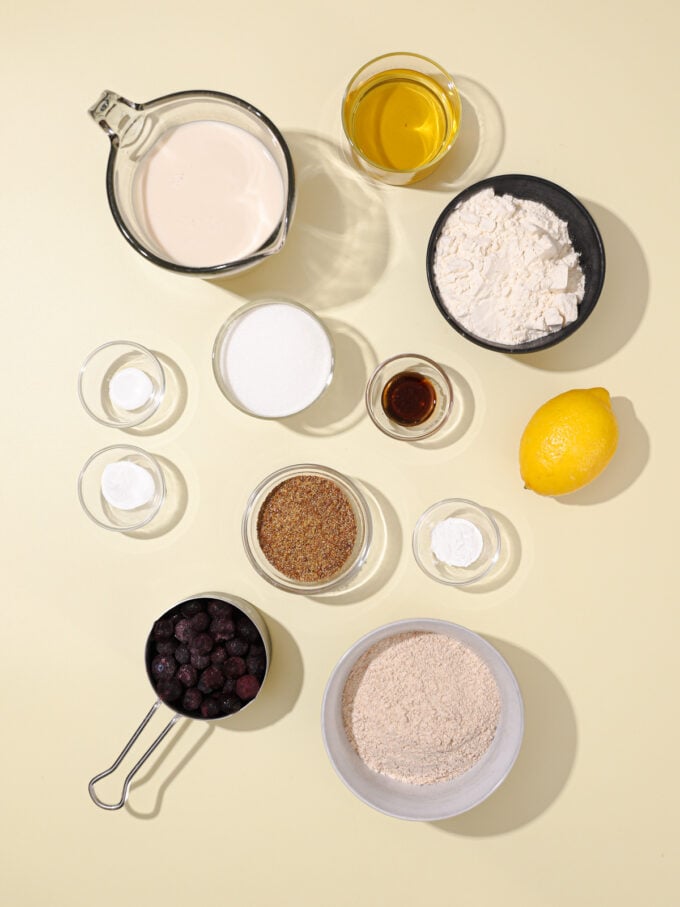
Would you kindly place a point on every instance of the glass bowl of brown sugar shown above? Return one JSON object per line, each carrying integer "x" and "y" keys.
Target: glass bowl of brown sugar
{"x": 307, "y": 529}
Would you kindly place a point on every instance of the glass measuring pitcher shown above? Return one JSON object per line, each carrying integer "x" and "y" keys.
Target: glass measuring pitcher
{"x": 198, "y": 182}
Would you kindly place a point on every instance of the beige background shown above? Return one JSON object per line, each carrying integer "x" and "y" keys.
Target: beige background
{"x": 585, "y": 610}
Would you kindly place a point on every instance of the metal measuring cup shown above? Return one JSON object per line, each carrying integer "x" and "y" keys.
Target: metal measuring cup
{"x": 239, "y": 604}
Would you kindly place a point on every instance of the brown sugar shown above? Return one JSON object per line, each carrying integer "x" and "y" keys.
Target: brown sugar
{"x": 307, "y": 529}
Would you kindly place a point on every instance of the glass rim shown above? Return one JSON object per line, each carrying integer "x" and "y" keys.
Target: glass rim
{"x": 451, "y": 86}
{"x": 359, "y": 506}
{"x": 158, "y": 473}
{"x": 158, "y": 396}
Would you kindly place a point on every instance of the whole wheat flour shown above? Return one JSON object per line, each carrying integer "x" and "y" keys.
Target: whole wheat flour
{"x": 506, "y": 269}
{"x": 420, "y": 707}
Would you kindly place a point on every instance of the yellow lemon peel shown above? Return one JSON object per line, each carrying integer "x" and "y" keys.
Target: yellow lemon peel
{"x": 568, "y": 441}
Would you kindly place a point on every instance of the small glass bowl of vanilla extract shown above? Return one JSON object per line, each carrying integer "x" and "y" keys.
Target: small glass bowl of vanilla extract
{"x": 409, "y": 397}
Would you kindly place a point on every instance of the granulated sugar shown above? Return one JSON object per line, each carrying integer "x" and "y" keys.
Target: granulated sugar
{"x": 506, "y": 269}
{"x": 420, "y": 707}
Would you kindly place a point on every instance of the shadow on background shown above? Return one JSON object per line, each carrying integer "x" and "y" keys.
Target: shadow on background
{"x": 619, "y": 311}
{"x": 341, "y": 406}
{"x": 508, "y": 562}
{"x": 627, "y": 464}
{"x": 339, "y": 238}
{"x": 545, "y": 760}
{"x": 173, "y": 508}
{"x": 173, "y": 403}
{"x": 479, "y": 143}
{"x": 278, "y": 696}
{"x": 383, "y": 556}
{"x": 460, "y": 419}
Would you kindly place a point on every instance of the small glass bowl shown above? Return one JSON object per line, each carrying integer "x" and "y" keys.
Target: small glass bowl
{"x": 101, "y": 366}
{"x": 95, "y": 504}
{"x": 267, "y": 570}
{"x": 426, "y": 368}
{"x": 458, "y": 508}
{"x": 422, "y": 75}
{"x": 281, "y": 366}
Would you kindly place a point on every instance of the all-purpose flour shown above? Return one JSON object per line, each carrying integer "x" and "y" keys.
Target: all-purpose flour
{"x": 506, "y": 269}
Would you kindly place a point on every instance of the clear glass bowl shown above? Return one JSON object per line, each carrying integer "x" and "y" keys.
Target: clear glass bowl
{"x": 424, "y": 802}
{"x": 101, "y": 366}
{"x": 422, "y": 366}
{"x": 276, "y": 369}
{"x": 95, "y": 504}
{"x": 267, "y": 570}
{"x": 401, "y": 85}
{"x": 456, "y": 508}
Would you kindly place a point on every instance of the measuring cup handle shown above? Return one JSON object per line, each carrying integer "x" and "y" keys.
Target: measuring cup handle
{"x": 126, "y": 749}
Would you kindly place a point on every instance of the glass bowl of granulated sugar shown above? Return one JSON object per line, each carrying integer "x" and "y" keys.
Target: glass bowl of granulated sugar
{"x": 515, "y": 263}
{"x": 422, "y": 719}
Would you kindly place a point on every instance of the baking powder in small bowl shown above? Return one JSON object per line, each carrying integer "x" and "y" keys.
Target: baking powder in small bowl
{"x": 273, "y": 359}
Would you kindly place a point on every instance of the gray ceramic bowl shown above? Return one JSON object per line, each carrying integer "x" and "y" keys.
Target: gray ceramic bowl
{"x": 584, "y": 235}
{"x": 428, "y": 802}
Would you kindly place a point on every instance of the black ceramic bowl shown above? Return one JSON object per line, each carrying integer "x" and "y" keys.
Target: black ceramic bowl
{"x": 584, "y": 235}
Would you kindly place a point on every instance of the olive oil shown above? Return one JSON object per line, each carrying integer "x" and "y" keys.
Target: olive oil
{"x": 400, "y": 119}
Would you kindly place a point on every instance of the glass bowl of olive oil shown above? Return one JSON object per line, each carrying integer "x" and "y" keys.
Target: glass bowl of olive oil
{"x": 401, "y": 114}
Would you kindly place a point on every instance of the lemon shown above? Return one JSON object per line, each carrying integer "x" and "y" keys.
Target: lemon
{"x": 568, "y": 441}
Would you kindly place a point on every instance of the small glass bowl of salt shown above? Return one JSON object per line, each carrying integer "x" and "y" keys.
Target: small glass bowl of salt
{"x": 121, "y": 384}
{"x": 121, "y": 487}
{"x": 456, "y": 542}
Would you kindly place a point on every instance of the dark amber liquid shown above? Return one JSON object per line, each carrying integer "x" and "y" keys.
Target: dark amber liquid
{"x": 409, "y": 398}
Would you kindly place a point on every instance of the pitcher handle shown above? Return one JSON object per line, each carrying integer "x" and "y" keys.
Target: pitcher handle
{"x": 126, "y": 749}
{"x": 114, "y": 114}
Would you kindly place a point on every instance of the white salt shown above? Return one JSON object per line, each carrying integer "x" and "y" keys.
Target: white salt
{"x": 276, "y": 359}
{"x": 456, "y": 542}
{"x": 126, "y": 485}
{"x": 130, "y": 388}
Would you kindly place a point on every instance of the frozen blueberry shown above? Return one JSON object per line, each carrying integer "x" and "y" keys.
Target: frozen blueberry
{"x": 247, "y": 629}
{"x": 236, "y": 646}
{"x": 234, "y": 666}
{"x": 192, "y": 700}
{"x": 163, "y": 628}
{"x": 211, "y": 679}
{"x": 247, "y": 687}
{"x": 163, "y": 666}
{"x": 216, "y": 607}
{"x": 190, "y": 608}
{"x": 201, "y": 644}
{"x": 218, "y": 655}
{"x": 188, "y": 675}
{"x": 169, "y": 690}
{"x": 228, "y": 703}
{"x": 256, "y": 664}
{"x": 184, "y": 632}
{"x": 200, "y": 661}
{"x": 222, "y": 627}
{"x": 256, "y": 648}
{"x": 210, "y": 708}
{"x": 182, "y": 655}
{"x": 166, "y": 647}
{"x": 229, "y": 685}
{"x": 200, "y": 622}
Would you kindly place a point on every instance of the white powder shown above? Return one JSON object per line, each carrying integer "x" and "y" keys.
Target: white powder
{"x": 276, "y": 359}
{"x": 130, "y": 388}
{"x": 506, "y": 269}
{"x": 456, "y": 542}
{"x": 126, "y": 485}
{"x": 420, "y": 707}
